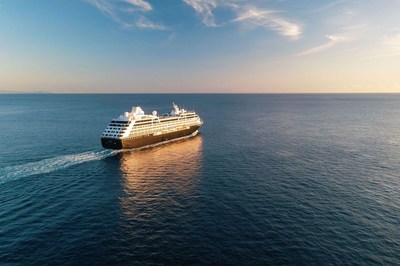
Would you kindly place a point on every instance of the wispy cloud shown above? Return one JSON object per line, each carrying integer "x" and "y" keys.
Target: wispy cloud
{"x": 244, "y": 14}
{"x": 332, "y": 41}
{"x": 143, "y": 23}
{"x": 104, "y": 6}
{"x": 204, "y": 8}
{"x": 116, "y": 10}
{"x": 143, "y": 5}
{"x": 268, "y": 19}
{"x": 330, "y": 5}
{"x": 348, "y": 33}
{"x": 247, "y": 15}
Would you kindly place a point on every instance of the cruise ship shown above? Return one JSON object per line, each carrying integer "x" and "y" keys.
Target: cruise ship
{"x": 136, "y": 129}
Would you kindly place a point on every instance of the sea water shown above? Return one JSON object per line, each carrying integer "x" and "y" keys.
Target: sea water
{"x": 270, "y": 179}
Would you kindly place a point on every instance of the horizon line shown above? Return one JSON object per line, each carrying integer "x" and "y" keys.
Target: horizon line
{"x": 37, "y": 93}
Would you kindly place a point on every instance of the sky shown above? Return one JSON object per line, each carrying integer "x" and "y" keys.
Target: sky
{"x": 200, "y": 46}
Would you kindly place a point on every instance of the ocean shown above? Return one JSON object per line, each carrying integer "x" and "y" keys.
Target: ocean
{"x": 272, "y": 179}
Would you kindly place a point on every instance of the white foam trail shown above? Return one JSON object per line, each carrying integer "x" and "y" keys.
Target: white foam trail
{"x": 50, "y": 165}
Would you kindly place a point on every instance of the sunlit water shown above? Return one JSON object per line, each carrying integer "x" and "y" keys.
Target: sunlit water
{"x": 271, "y": 179}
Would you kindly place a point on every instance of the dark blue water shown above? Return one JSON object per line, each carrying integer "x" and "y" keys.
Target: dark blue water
{"x": 272, "y": 179}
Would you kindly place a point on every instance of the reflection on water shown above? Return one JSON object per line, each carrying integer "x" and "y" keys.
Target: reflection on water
{"x": 160, "y": 176}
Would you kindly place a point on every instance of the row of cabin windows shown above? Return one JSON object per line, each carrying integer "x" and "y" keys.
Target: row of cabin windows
{"x": 142, "y": 126}
{"x": 180, "y": 121}
{"x": 145, "y": 122}
{"x": 138, "y": 131}
{"x": 140, "y": 123}
{"x": 114, "y": 130}
{"x": 147, "y": 133}
{"x": 112, "y": 135}
{"x": 158, "y": 125}
{"x": 120, "y": 122}
{"x": 183, "y": 117}
{"x": 169, "y": 120}
{"x": 155, "y": 121}
{"x": 117, "y": 125}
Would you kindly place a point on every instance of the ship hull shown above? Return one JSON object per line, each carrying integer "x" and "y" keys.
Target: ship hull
{"x": 139, "y": 142}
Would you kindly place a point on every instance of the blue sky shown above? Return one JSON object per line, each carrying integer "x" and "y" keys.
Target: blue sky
{"x": 200, "y": 46}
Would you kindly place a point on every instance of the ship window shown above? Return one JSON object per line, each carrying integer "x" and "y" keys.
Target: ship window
{"x": 141, "y": 124}
{"x": 170, "y": 120}
{"x": 119, "y": 122}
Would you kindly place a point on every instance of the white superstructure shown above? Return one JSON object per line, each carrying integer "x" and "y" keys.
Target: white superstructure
{"x": 136, "y": 124}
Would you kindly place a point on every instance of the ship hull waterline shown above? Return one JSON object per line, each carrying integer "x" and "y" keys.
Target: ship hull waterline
{"x": 140, "y": 142}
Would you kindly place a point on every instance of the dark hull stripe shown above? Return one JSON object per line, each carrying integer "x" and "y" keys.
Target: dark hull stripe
{"x": 132, "y": 143}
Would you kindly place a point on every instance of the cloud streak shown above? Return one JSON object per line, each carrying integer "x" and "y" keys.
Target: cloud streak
{"x": 204, "y": 8}
{"x": 268, "y": 19}
{"x": 143, "y": 23}
{"x": 332, "y": 4}
{"x": 136, "y": 9}
{"x": 333, "y": 40}
{"x": 131, "y": 14}
{"x": 246, "y": 15}
{"x": 143, "y": 5}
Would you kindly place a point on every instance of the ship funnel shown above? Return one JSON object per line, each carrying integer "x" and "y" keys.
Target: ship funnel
{"x": 175, "y": 110}
{"x": 136, "y": 110}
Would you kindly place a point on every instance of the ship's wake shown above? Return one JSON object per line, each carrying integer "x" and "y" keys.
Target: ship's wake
{"x": 52, "y": 164}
